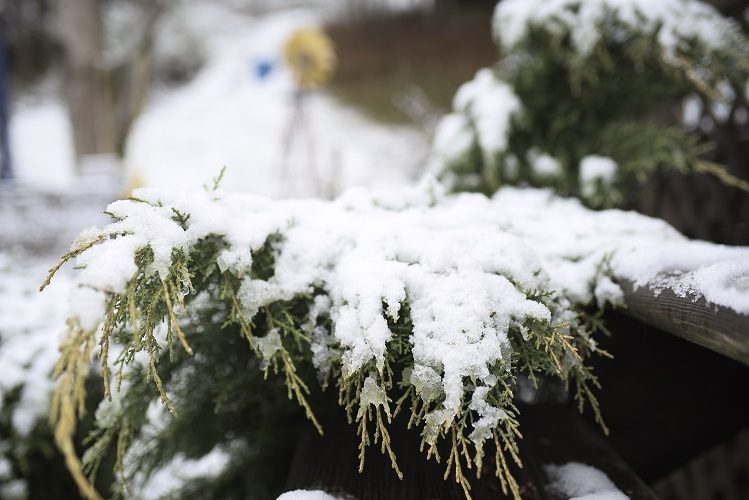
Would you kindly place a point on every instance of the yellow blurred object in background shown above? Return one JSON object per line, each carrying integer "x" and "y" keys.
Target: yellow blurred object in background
{"x": 311, "y": 55}
{"x": 133, "y": 180}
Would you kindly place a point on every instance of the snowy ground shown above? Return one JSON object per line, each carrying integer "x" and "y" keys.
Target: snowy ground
{"x": 30, "y": 328}
{"x": 228, "y": 116}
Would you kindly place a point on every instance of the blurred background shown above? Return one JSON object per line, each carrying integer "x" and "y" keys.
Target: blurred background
{"x": 98, "y": 97}
{"x": 103, "y": 96}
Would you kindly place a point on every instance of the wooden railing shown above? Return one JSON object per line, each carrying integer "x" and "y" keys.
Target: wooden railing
{"x": 720, "y": 329}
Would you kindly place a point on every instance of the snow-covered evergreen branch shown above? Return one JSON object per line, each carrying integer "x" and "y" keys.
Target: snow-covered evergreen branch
{"x": 586, "y": 80}
{"x": 413, "y": 301}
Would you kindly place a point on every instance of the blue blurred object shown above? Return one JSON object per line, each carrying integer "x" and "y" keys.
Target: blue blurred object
{"x": 6, "y": 171}
{"x": 263, "y": 68}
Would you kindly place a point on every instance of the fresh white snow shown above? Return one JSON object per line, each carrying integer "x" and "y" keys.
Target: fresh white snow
{"x": 483, "y": 113}
{"x": 453, "y": 138}
{"x": 578, "y": 481}
{"x": 170, "y": 477}
{"x": 558, "y": 235}
{"x": 306, "y": 495}
{"x": 31, "y": 327}
{"x": 674, "y": 23}
{"x": 573, "y": 241}
{"x": 543, "y": 165}
{"x": 491, "y": 105}
{"x": 364, "y": 255}
{"x": 41, "y": 144}
{"x": 725, "y": 283}
{"x": 596, "y": 170}
{"x": 462, "y": 262}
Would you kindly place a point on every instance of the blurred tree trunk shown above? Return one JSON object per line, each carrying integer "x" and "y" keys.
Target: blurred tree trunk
{"x": 6, "y": 171}
{"x": 103, "y": 100}
{"x": 30, "y": 47}
{"x": 133, "y": 77}
{"x": 88, "y": 93}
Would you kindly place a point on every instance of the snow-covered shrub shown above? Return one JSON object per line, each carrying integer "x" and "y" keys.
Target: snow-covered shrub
{"x": 410, "y": 301}
{"x": 593, "y": 77}
{"x": 401, "y": 304}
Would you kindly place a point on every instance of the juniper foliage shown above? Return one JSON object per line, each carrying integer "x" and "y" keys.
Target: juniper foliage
{"x": 186, "y": 341}
{"x": 603, "y": 78}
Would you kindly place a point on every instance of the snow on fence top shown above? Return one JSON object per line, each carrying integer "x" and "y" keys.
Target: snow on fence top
{"x": 573, "y": 242}
{"x": 412, "y": 291}
{"x": 435, "y": 250}
{"x": 578, "y": 480}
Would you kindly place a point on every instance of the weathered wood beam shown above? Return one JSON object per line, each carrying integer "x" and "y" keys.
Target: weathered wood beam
{"x": 720, "y": 329}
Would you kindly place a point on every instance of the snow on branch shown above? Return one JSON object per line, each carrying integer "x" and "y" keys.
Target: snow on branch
{"x": 676, "y": 25}
{"x": 577, "y": 89}
{"x": 411, "y": 299}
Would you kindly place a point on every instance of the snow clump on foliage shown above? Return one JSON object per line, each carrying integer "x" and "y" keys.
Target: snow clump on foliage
{"x": 419, "y": 298}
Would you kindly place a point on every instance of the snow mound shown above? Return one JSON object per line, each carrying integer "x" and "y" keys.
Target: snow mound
{"x": 306, "y": 495}
{"x": 578, "y": 481}
{"x": 574, "y": 244}
{"x": 464, "y": 278}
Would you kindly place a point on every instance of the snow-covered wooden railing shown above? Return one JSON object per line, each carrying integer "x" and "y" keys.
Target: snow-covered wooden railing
{"x": 718, "y": 328}
{"x": 696, "y": 290}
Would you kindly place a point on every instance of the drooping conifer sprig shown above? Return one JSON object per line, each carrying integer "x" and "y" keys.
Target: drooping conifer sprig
{"x": 288, "y": 287}
{"x": 579, "y": 82}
